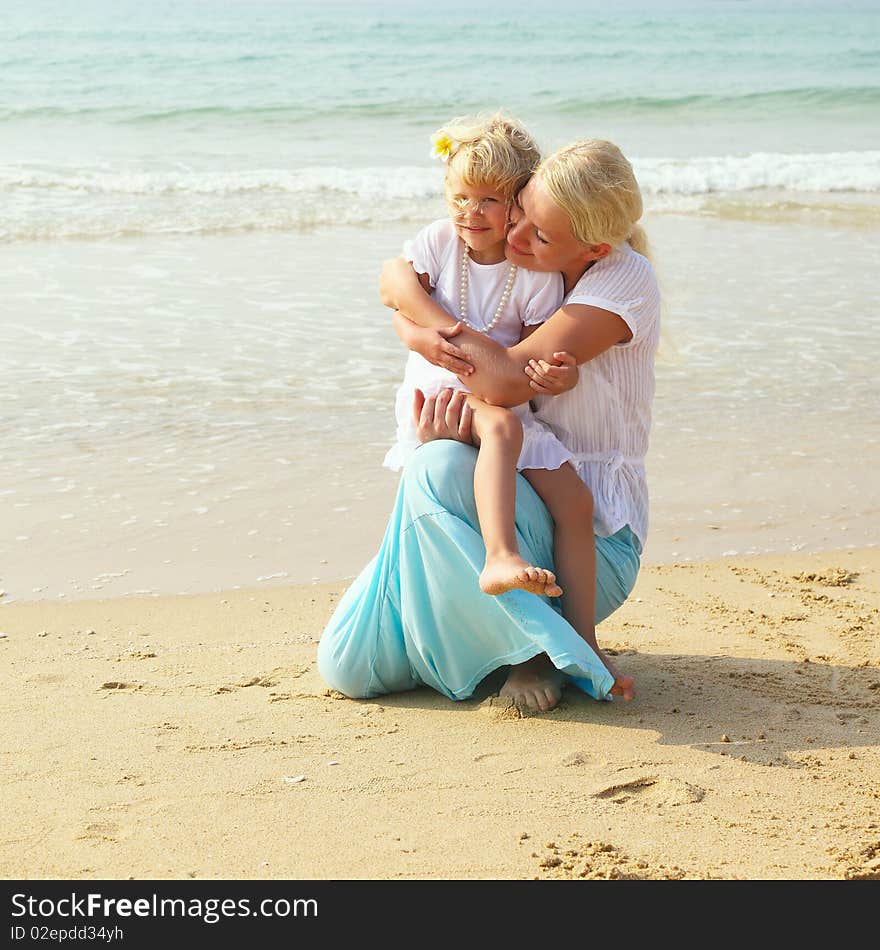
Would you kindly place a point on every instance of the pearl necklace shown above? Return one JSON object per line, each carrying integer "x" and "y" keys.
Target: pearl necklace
{"x": 463, "y": 295}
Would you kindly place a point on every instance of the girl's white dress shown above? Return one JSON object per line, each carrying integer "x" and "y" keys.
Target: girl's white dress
{"x": 436, "y": 251}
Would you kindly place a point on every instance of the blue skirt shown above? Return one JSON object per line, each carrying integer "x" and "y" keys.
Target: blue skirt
{"x": 416, "y": 615}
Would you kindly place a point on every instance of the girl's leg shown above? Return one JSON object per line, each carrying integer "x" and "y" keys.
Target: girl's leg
{"x": 570, "y": 504}
{"x": 498, "y": 433}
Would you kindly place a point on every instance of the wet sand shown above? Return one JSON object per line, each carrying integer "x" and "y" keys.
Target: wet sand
{"x": 191, "y": 736}
{"x": 233, "y": 398}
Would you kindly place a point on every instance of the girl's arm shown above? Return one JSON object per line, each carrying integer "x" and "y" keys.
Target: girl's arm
{"x": 499, "y": 375}
{"x": 431, "y": 343}
{"x": 407, "y": 330}
{"x": 550, "y": 378}
{"x": 400, "y": 288}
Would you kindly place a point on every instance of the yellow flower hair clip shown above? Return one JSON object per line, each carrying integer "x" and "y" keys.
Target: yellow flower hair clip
{"x": 443, "y": 146}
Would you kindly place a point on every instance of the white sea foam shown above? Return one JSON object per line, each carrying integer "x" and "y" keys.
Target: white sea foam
{"x": 372, "y": 183}
{"x": 830, "y": 172}
{"x": 60, "y": 203}
{"x": 817, "y": 172}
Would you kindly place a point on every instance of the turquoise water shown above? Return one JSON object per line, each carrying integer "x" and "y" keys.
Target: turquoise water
{"x": 201, "y": 116}
{"x": 196, "y": 378}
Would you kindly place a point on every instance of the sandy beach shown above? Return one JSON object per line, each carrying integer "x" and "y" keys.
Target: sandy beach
{"x": 197, "y": 381}
{"x": 191, "y": 737}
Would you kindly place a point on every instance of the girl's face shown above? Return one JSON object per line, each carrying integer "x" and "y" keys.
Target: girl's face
{"x": 479, "y": 213}
{"x": 540, "y": 235}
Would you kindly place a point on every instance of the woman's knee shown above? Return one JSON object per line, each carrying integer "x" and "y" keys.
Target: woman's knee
{"x": 439, "y": 457}
{"x": 442, "y": 473}
{"x": 332, "y": 670}
{"x": 617, "y": 568}
{"x": 343, "y": 673}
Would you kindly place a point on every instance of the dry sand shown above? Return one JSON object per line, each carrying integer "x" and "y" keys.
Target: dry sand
{"x": 162, "y": 738}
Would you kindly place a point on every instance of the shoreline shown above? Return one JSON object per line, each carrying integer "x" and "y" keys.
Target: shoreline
{"x": 751, "y": 751}
{"x": 281, "y": 580}
{"x": 194, "y": 451}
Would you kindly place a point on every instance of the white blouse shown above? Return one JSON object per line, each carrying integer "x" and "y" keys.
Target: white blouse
{"x": 436, "y": 251}
{"x": 605, "y": 420}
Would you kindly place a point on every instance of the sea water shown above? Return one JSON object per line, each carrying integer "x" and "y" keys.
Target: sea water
{"x": 196, "y": 377}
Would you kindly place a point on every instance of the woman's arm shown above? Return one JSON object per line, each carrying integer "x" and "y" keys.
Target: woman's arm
{"x": 499, "y": 374}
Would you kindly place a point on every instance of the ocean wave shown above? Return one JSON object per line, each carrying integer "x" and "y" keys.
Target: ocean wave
{"x": 825, "y": 172}
{"x": 43, "y": 204}
{"x": 778, "y": 102}
{"x": 374, "y": 183}
{"x": 814, "y": 172}
{"x": 129, "y": 114}
{"x": 796, "y": 99}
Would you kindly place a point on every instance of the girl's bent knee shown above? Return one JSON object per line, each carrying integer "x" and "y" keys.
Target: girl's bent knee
{"x": 501, "y": 420}
{"x": 498, "y": 425}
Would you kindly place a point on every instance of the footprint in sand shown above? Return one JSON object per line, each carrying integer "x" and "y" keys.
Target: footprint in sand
{"x": 256, "y": 681}
{"x": 504, "y": 709}
{"x": 653, "y": 790}
{"x": 99, "y": 831}
{"x": 851, "y": 718}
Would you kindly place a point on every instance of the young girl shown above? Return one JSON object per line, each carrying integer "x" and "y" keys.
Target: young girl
{"x": 461, "y": 262}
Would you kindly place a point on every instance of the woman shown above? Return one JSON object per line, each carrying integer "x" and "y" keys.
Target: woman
{"x": 416, "y": 614}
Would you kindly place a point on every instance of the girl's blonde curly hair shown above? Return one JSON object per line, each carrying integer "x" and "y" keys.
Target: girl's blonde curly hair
{"x": 494, "y": 150}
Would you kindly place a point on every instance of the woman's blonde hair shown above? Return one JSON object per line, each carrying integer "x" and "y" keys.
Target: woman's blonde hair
{"x": 595, "y": 186}
{"x": 494, "y": 150}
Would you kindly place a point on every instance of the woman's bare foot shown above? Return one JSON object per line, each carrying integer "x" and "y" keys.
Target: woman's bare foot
{"x": 535, "y": 684}
{"x": 624, "y": 686}
{"x": 503, "y": 573}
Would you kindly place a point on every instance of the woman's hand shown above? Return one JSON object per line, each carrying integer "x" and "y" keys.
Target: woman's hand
{"x": 435, "y": 347}
{"x": 551, "y": 379}
{"x": 444, "y": 416}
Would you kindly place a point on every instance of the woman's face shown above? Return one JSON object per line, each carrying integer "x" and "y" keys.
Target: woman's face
{"x": 540, "y": 235}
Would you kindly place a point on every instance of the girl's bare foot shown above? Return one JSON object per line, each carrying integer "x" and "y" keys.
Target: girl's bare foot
{"x": 535, "y": 684}
{"x": 510, "y": 572}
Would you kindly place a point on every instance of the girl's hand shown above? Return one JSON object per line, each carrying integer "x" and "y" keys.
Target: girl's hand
{"x": 444, "y": 416}
{"x": 434, "y": 345}
{"x": 551, "y": 379}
